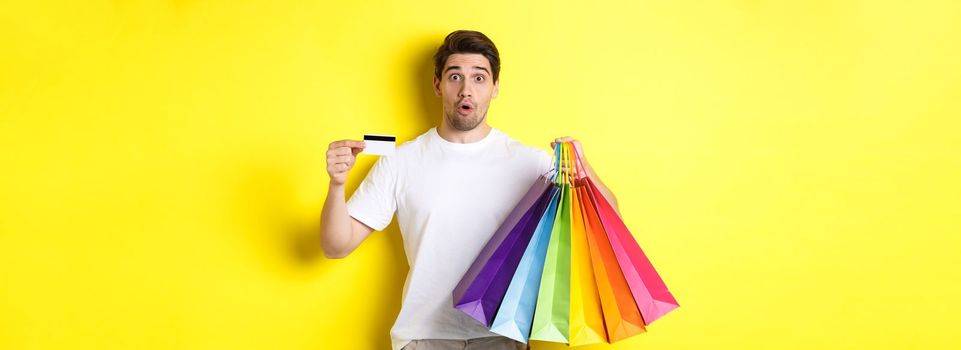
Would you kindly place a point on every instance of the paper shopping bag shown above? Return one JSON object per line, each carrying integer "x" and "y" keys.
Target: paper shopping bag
{"x": 650, "y": 293}
{"x": 587, "y": 320}
{"x": 552, "y": 313}
{"x": 480, "y": 291}
{"x": 563, "y": 267}
{"x": 516, "y": 312}
{"x": 622, "y": 318}
{"x": 552, "y": 316}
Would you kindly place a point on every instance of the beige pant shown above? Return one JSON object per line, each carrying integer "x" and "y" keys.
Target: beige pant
{"x": 494, "y": 343}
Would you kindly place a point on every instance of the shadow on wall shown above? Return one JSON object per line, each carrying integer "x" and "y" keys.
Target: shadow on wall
{"x": 422, "y": 82}
{"x": 269, "y": 191}
{"x": 285, "y": 241}
{"x": 304, "y": 242}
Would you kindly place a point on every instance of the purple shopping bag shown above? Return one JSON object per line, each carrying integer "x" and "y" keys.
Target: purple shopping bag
{"x": 483, "y": 286}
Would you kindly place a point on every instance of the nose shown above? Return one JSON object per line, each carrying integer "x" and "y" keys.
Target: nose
{"x": 466, "y": 91}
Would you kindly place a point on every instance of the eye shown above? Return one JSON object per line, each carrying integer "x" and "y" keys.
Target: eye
{"x": 455, "y": 77}
{"x": 479, "y": 78}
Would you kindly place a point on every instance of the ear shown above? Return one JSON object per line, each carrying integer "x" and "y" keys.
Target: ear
{"x": 437, "y": 86}
{"x": 497, "y": 84}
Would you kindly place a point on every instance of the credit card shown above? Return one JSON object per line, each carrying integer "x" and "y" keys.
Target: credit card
{"x": 382, "y": 145}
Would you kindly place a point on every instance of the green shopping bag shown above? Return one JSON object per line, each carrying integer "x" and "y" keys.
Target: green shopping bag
{"x": 552, "y": 313}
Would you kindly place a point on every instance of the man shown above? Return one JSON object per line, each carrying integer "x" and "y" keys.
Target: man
{"x": 451, "y": 188}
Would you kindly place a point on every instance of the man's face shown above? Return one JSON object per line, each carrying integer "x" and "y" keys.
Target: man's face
{"x": 466, "y": 87}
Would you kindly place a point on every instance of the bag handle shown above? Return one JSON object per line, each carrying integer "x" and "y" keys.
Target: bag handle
{"x": 578, "y": 163}
{"x": 567, "y": 158}
{"x": 557, "y": 164}
{"x": 575, "y": 162}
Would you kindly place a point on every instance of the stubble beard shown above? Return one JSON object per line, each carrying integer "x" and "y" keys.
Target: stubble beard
{"x": 464, "y": 123}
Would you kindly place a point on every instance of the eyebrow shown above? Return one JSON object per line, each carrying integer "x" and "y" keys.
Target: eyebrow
{"x": 475, "y": 67}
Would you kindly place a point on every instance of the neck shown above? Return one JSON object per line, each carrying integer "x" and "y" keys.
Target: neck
{"x": 456, "y": 136}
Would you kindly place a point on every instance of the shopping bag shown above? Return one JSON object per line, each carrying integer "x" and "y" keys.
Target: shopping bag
{"x": 481, "y": 289}
{"x": 516, "y": 312}
{"x": 622, "y": 318}
{"x": 563, "y": 267}
{"x": 552, "y": 314}
{"x": 650, "y": 293}
{"x": 587, "y": 320}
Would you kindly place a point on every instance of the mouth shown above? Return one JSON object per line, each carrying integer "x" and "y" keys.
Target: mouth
{"x": 465, "y": 108}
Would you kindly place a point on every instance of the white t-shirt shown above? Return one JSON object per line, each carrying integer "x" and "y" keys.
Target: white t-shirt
{"x": 449, "y": 198}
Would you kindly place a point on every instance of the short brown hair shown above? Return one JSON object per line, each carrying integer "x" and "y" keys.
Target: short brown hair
{"x": 467, "y": 41}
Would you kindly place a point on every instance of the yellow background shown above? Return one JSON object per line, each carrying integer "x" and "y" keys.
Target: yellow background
{"x": 792, "y": 168}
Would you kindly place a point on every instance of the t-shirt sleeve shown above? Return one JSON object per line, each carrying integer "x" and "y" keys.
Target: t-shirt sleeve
{"x": 374, "y": 202}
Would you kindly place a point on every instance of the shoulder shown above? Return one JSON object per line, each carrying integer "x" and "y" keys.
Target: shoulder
{"x": 409, "y": 149}
{"x": 516, "y": 146}
{"x": 542, "y": 158}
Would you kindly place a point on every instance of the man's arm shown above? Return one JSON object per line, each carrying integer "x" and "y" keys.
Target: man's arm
{"x": 340, "y": 234}
{"x": 601, "y": 187}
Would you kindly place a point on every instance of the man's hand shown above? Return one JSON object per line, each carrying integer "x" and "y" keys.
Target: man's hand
{"x": 577, "y": 149}
{"x": 577, "y": 144}
{"x": 341, "y": 156}
{"x": 340, "y": 234}
{"x": 589, "y": 172}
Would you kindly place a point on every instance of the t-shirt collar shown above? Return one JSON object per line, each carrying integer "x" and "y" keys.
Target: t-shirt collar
{"x": 463, "y": 146}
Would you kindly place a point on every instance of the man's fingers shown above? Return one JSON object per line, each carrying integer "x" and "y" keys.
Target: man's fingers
{"x": 565, "y": 140}
{"x": 562, "y": 139}
{"x": 339, "y": 151}
{"x": 349, "y": 148}
{"x": 348, "y": 159}
{"x": 341, "y": 156}
{"x": 347, "y": 143}
{"x": 338, "y": 144}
